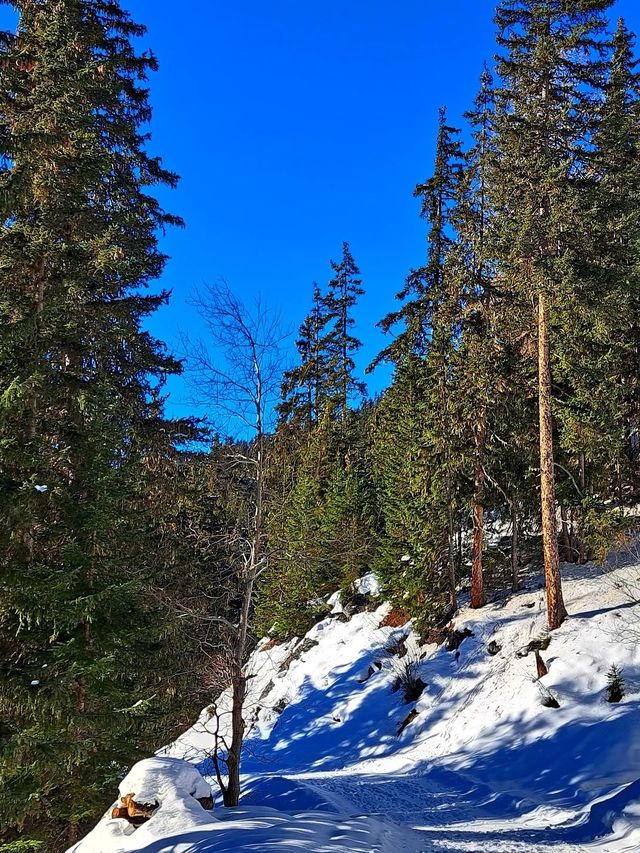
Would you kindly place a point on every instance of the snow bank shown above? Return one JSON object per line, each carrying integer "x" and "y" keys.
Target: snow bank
{"x": 181, "y": 825}
{"x": 481, "y": 766}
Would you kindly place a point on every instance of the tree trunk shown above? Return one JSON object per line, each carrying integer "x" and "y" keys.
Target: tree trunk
{"x": 556, "y": 611}
{"x": 582, "y": 557}
{"x": 477, "y": 579}
{"x": 451, "y": 562}
{"x": 567, "y": 550}
{"x": 231, "y": 793}
{"x": 515, "y": 563}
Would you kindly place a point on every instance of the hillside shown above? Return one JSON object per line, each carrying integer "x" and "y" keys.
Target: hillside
{"x": 482, "y": 766}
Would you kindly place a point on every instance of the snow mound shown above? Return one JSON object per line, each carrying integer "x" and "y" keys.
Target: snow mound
{"x": 149, "y": 780}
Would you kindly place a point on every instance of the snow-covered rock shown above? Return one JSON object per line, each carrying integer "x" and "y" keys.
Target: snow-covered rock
{"x": 150, "y": 780}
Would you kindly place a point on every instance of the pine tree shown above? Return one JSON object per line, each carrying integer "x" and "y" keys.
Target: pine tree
{"x": 550, "y": 70}
{"x": 475, "y": 358}
{"x": 596, "y": 364}
{"x": 339, "y": 342}
{"x": 85, "y": 681}
{"x": 304, "y": 386}
{"x": 423, "y": 352}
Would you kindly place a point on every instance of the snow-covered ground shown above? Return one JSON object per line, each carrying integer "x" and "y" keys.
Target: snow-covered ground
{"x": 483, "y": 766}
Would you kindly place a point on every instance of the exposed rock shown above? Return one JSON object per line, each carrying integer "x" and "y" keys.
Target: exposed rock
{"x": 341, "y": 616}
{"x": 397, "y": 648}
{"x": 266, "y": 691}
{"x": 539, "y": 645}
{"x": 304, "y": 646}
{"x": 455, "y": 638}
{"x": 550, "y": 701}
{"x": 493, "y": 648}
{"x": 407, "y": 721}
{"x": 376, "y": 666}
{"x": 356, "y": 603}
{"x": 281, "y": 705}
{"x": 435, "y": 636}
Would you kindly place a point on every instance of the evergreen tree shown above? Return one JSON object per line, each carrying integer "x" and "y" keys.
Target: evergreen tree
{"x": 550, "y": 72}
{"x": 304, "y": 386}
{"x": 423, "y": 353}
{"x": 597, "y": 362}
{"x": 339, "y": 301}
{"x": 475, "y": 358}
{"x": 84, "y": 687}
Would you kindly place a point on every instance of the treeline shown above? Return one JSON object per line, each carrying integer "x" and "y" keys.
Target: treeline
{"x": 142, "y": 557}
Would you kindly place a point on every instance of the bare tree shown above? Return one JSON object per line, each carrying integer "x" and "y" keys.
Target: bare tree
{"x": 238, "y": 374}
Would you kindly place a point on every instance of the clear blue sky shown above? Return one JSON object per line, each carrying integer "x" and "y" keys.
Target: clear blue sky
{"x": 297, "y": 124}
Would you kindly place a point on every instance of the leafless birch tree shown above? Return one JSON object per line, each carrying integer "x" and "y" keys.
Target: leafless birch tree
{"x": 237, "y": 374}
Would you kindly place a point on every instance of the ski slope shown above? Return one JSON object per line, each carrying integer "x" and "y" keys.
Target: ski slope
{"x": 483, "y": 766}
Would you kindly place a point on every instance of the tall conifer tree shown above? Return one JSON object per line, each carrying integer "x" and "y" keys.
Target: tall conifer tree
{"x": 340, "y": 343}
{"x": 422, "y": 354}
{"x": 304, "y": 388}
{"x": 84, "y": 685}
{"x": 550, "y": 69}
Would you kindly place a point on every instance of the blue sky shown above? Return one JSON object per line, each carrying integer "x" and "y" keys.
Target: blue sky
{"x": 297, "y": 125}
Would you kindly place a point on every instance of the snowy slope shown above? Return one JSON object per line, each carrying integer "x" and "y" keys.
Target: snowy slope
{"x": 483, "y": 766}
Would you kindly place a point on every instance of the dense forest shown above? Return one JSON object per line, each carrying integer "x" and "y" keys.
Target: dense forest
{"x": 142, "y": 557}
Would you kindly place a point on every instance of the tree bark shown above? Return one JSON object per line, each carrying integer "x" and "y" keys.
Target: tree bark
{"x": 567, "y": 550}
{"x": 477, "y": 579}
{"x": 556, "y": 611}
{"x": 451, "y": 562}
{"x": 515, "y": 563}
{"x": 231, "y": 792}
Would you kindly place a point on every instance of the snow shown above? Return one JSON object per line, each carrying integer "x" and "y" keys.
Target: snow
{"x": 368, "y": 585}
{"x": 483, "y": 767}
{"x": 148, "y": 780}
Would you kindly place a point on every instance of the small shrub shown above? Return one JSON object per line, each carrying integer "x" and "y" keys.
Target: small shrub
{"x": 615, "y": 684}
{"x": 411, "y": 684}
{"x": 547, "y": 698}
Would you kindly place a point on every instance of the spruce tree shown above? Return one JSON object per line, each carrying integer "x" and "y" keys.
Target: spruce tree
{"x": 339, "y": 301}
{"x": 550, "y": 71}
{"x": 475, "y": 369}
{"x": 304, "y": 388}
{"x": 422, "y": 352}
{"x": 85, "y": 682}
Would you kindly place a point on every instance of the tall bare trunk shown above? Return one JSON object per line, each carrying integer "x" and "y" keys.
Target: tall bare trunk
{"x": 556, "y": 611}
{"x": 567, "y": 550}
{"x": 451, "y": 561}
{"x": 515, "y": 562}
{"x": 231, "y": 792}
{"x": 582, "y": 557}
{"x": 477, "y": 579}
